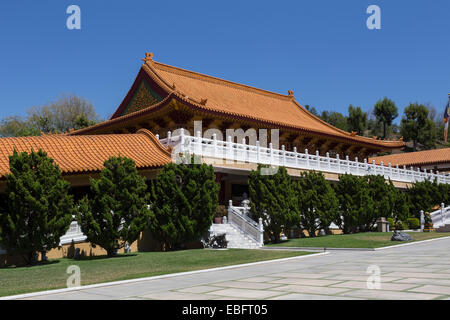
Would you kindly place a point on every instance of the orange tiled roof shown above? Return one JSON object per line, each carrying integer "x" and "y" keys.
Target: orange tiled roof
{"x": 241, "y": 100}
{"x": 223, "y": 97}
{"x": 418, "y": 158}
{"x": 80, "y": 154}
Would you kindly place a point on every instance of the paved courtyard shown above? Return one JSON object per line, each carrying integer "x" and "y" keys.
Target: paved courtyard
{"x": 419, "y": 271}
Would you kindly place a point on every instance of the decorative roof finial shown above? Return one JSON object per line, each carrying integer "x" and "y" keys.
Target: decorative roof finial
{"x": 291, "y": 93}
{"x": 148, "y": 57}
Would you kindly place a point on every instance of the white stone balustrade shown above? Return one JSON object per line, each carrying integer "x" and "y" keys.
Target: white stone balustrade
{"x": 241, "y": 152}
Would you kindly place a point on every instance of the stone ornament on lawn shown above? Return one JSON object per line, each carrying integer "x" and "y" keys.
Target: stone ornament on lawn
{"x": 401, "y": 236}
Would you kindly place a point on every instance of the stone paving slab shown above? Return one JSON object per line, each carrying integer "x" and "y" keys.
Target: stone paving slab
{"x": 259, "y": 279}
{"x": 305, "y": 296}
{"x": 245, "y": 293}
{"x": 432, "y": 289}
{"x": 169, "y": 295}
{"x": 389, "y": 295}
{"x": 311, "y": 289}
{"x": 306, "y": 282}
{"x": 383, "y": 286}
{"x": 246, "y": 285}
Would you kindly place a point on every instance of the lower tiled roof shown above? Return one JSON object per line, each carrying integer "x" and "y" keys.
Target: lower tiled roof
{"x": 81, "y": 154}
{"x": 418, "y": 158}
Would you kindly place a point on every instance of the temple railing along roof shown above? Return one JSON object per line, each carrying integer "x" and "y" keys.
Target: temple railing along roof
{"x": 245, "y": 153}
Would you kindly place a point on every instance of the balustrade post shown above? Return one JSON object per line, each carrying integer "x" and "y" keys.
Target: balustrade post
{"x": 398, "y": 170}
{"x": 338, "y": 162}
{"x": 271, "y": 153}
{"x": 283, "y": 148}
{"x": 347, "y": 164}
{"x": 357, "y": 165}
{"x": 307, "y": 158}
{"x": 328, "y": 160}
{"x": 230, "y": 154}
{"x": 382, "y": 168}
{"x": 169, "y": 137}
{"x": 198, "y": 143}
{"x": 318, "y": 159}
{"x": 214, "y": 145}
{"x": 244, "y": 150}
{"x": 422, "y": 220}
{"x": 390, "y": 170}
{"x": 443, "y": 213}
{"x": 157, "y": 136}
{"x": 296, "y": 157}
{"x": 257, "y": 152}
{"x": 261, "y": 232}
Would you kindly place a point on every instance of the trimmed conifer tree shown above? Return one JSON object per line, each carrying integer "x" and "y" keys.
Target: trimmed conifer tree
{"x": 317, "y": 202}
{"x": 356, "y": 205}
{"x": 116, "y": 209}
{"x": 38, "y": 208}
{"x": 273, "y": 198}
{"x": 184, "y": 200}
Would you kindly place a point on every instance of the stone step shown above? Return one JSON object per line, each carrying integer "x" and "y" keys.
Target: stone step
{"x": 445, "y": 228}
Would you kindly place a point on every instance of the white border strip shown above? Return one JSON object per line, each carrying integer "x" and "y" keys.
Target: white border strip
{"x": 107, "y": 284}
{"x": 410, "y": 243}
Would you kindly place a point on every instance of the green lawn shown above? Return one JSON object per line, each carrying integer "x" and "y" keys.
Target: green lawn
{"x": 357, "y": 240}
{"x": 136, "y": 265}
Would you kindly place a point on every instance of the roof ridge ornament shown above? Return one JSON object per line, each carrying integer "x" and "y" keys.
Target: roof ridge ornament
{"x": 148, "y": 57}
{"x": 203, "y": 101}
{"x": 291, "y": 93}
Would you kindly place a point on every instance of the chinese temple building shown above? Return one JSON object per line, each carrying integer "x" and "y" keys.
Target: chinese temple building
{"x": 164, "y": 98}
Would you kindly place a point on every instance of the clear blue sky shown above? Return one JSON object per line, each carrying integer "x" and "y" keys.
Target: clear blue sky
{"x": 320, "y": 49}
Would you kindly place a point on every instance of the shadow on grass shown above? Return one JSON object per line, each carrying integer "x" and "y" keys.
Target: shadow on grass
{"x": 103, "y": 257}
{"x": 37, "y": 264}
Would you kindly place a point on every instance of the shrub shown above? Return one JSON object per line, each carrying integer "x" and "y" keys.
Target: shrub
{"x": 391, "y": 223}
{"x": 273, "y": 198}
{"x": 356, "y": 205}
{"x": 413, "y": 223}
{"x": 317, "y": 202}
{"x": 116, "y": 210}
{"x": 184, "y": 200}
{"x": 423, "y": 196}
{"x": 38, "y": 208}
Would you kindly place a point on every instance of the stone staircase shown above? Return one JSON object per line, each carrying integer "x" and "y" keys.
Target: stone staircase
{"x": 235, "y": 237}
{"x": 445, "y": 228}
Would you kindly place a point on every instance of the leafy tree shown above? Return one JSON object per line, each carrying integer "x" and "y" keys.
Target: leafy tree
{"x": 116, "y": 210}
{"x": 355, "y": 203}
{"x": 273, "y": 198}
{"x": 66, "y": 113}
{"x": 38, "y": 209}
{"x": 335, "y": 119}
{"x": 317, "y": 202}
{"x": 17, "y": 127}
{"x": 184, "y": 200}
{"x": 357, "y": 120}
{"x": 311, "y": 109}
{"x": 417, "y": 127}
{"x": 386, "y": 111}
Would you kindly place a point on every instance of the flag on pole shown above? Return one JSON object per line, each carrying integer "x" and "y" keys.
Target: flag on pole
{"x": 446, "y": 118}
